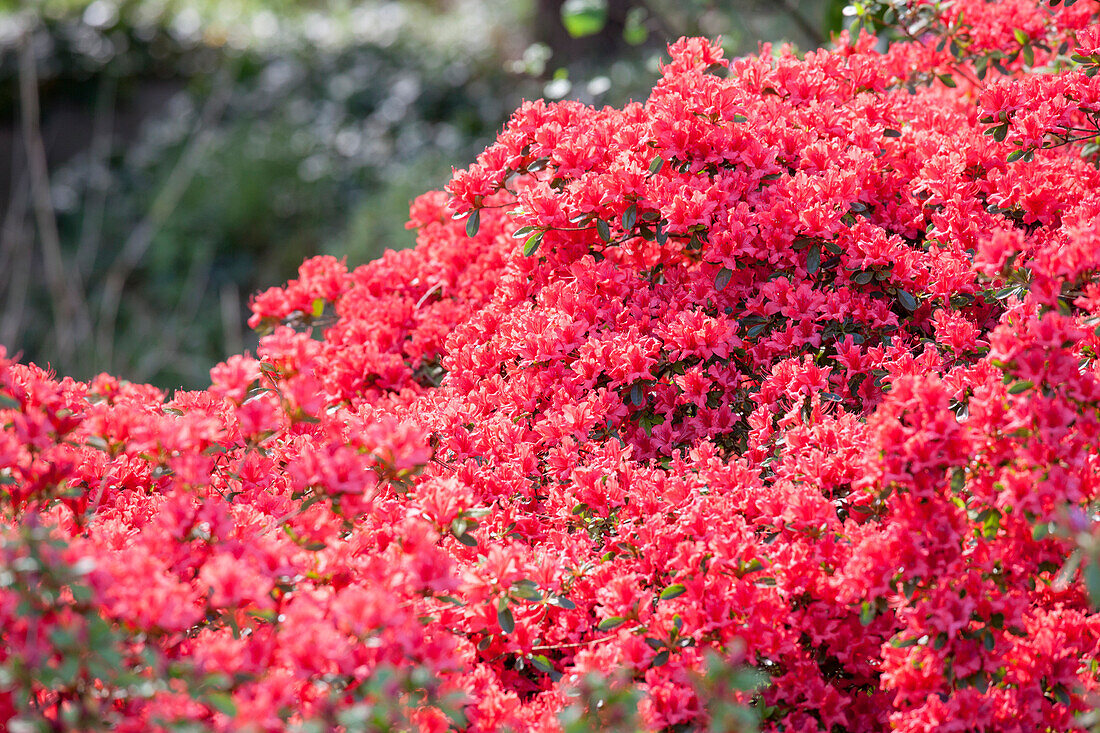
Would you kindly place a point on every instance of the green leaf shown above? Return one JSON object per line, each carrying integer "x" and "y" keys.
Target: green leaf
{"x": 722, "y": 279}
{"x": 1021, "y": 35}
{"x": 522, "y": 232}
{"x": 662, "y": 233}
{"x": 740, "y": 119}
{"x": 888, "y": 132}
{"x": 1016, "y": 155}
{"x": 634, "y": 30}
{"x": 899, "y": 643}
{"x": 267, "y": 615}
{"x": 756, "y": 330}
{"x": 908, "y": 302}
{"x": 1092, "y": 580}
{"x": 505, "y": 618}
{"x": 991, "y": 524}
{"x": 862, "y": 278}
{"x": 541, "y": 663}
{"x": 630, "y": 217}
{"x": 584, "y": 17}
{"x": 866, "y": 614}
{"x": 656, "y": 165}
{"x": 8, "y": 402}
{"x": 561, "y": 602}
{"x": 532, "y": 244}
{"x": 63, "y": 638}
{"x": 813, "y": 260}
{"x": 473, "y": 222}
{"x": 674, "y": 590}
{"x": 1069, "y": 569}
{"x": 467, "y": 539}
{"x": 947, "y": 80}
{"x": 68, "y": 671}
{"x": 1022, "y": 385}
{"x": 526, "y": 592}
{"x": 661, "y": 659}
{"x": 603, "y": 229}
{"x": 222, "y": 702}
{"x": 611, "y": 623}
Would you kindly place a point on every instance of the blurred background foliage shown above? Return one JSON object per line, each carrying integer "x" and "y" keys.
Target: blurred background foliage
{"x": 166, "y": 159}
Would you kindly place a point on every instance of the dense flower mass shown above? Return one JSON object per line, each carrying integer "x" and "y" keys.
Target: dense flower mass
{"x": 772, "y": 400}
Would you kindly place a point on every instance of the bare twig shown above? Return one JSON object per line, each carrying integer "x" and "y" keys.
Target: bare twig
{"x": 233, "y": 333}
{"x": 169, "y": 197}
{"x": 190, "y": 300}
{"x": 664, "y": 26}
{"x": 16, "y": 256}
{"x": 91, "y": 228}
{"x": 803, "y": 23}
{"x": 71, "y": 319}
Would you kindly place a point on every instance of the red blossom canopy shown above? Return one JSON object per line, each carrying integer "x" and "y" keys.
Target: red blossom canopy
{"x": 773, "y": 397}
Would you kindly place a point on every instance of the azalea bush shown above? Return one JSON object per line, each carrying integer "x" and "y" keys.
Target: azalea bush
{"x": 770, "y": 402}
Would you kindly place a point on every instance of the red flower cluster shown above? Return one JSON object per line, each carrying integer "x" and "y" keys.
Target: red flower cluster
{"x": 773, "y": 397}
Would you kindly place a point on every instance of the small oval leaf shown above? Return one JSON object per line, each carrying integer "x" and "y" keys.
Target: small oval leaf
{"x": 532, "y": 244}
{"x": 561, "y": 602}
{"x": 505, "y": 619}
{"x": 603, "y": 229}
{"x": 611, "y": 623}
{"x": 674, "y": 590}
{"x": 722, "y": 279}
{"x": 813, "y": 260}
{"x": 541, "y": 663}
{"x": 1021, "y": 386}
{"x": 630, "y": 217}
{"x": 908, "y": 302}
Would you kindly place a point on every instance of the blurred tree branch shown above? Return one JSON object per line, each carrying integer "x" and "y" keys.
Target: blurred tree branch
{"x": 165, "y": 203}
{"x": 71, "y": 319}
{"x": 16, "y": 258}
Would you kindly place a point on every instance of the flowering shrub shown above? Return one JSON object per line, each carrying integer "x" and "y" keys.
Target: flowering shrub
{"x": 770, "y": 401}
